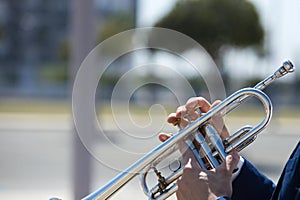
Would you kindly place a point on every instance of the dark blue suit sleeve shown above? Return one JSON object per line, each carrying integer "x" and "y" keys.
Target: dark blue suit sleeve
{"x": 250, "y": 184}
{"x": 288, "y": 186}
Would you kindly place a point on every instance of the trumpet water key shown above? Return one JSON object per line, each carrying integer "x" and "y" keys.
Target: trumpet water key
{"x": 202, "y": 138}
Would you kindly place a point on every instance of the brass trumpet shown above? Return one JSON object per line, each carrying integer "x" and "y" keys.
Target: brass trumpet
{"x": 212, "y": 149}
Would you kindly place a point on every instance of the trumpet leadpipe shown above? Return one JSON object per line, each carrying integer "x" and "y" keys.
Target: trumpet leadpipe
{"x": 287, "y": 67}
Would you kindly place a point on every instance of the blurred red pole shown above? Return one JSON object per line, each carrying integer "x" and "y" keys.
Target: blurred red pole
{"x": 83, "y": 33}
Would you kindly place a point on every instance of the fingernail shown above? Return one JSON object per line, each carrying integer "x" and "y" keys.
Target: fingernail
{"x": 163, "y": 137}
{"x": 229, "y": 158}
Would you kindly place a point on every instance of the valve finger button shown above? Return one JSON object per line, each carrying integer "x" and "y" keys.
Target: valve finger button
{"x": 175, "y": 165}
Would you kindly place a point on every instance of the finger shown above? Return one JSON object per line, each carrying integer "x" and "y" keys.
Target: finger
{"x": 215, "y": 103}
{"x": 195, "y": 165}
{"x": 231, "y": 161}
{"x": 192, "y": 108}
{"x": 177, "y": 121}
{"x": 164, "y": 136}
{"x": 195, "y": 103}
{"x": 218, "y": 123}
{"x": 188, "y": 165}
{"x": 190, "y": 170}
{"x": 172, "y": 119}
{"x": 180, "y": 111}
{"x": 179, "y": 118}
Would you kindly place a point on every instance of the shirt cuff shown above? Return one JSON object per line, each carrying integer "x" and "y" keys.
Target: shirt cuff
{"x": 223, "y": 198}
{"x": 239, "y": 167}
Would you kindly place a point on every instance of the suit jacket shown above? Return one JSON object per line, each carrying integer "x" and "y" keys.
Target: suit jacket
{"x": 288, "y": 187}
{"x": 251, "y": 184}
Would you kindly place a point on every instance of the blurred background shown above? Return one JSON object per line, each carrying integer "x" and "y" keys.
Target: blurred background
{"x": 43, "y": 43}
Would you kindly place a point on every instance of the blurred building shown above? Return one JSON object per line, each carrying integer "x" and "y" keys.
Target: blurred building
{"x": 34, "y": 44}
{"x": 33, "y": 35}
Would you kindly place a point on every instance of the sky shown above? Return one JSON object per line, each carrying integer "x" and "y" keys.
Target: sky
{"x": 151, "y": 11}
{"x": 281, "y": 21}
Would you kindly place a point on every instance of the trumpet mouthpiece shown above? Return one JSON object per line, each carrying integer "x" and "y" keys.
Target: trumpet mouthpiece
{"x": 287, "y": 67}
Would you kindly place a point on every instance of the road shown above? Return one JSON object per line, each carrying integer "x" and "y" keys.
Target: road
{"x": 36, "y": 154}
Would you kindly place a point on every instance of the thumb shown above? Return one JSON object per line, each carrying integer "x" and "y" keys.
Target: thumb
{"x": 232, "y": 160}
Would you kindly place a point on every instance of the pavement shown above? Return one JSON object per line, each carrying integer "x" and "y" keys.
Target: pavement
{"x": 36, "y": 152}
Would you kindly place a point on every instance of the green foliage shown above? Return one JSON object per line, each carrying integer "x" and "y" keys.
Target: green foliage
{"x": 216, "y": 23}
{"x": 115, "y": 24}
{"x": 54, "y": 73}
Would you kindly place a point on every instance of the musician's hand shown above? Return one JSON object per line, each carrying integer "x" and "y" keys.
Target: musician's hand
{"x": 195, "y": 182}
{"x": 190, "y": 112}
{"x": 198, "y": 184}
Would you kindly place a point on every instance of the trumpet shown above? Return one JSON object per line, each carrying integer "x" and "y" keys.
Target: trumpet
{"x": 202, "y": 138}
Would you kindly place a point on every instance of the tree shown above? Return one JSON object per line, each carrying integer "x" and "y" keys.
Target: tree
{"x": 216, "y": 24}
{"x": 116, "y": 23}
